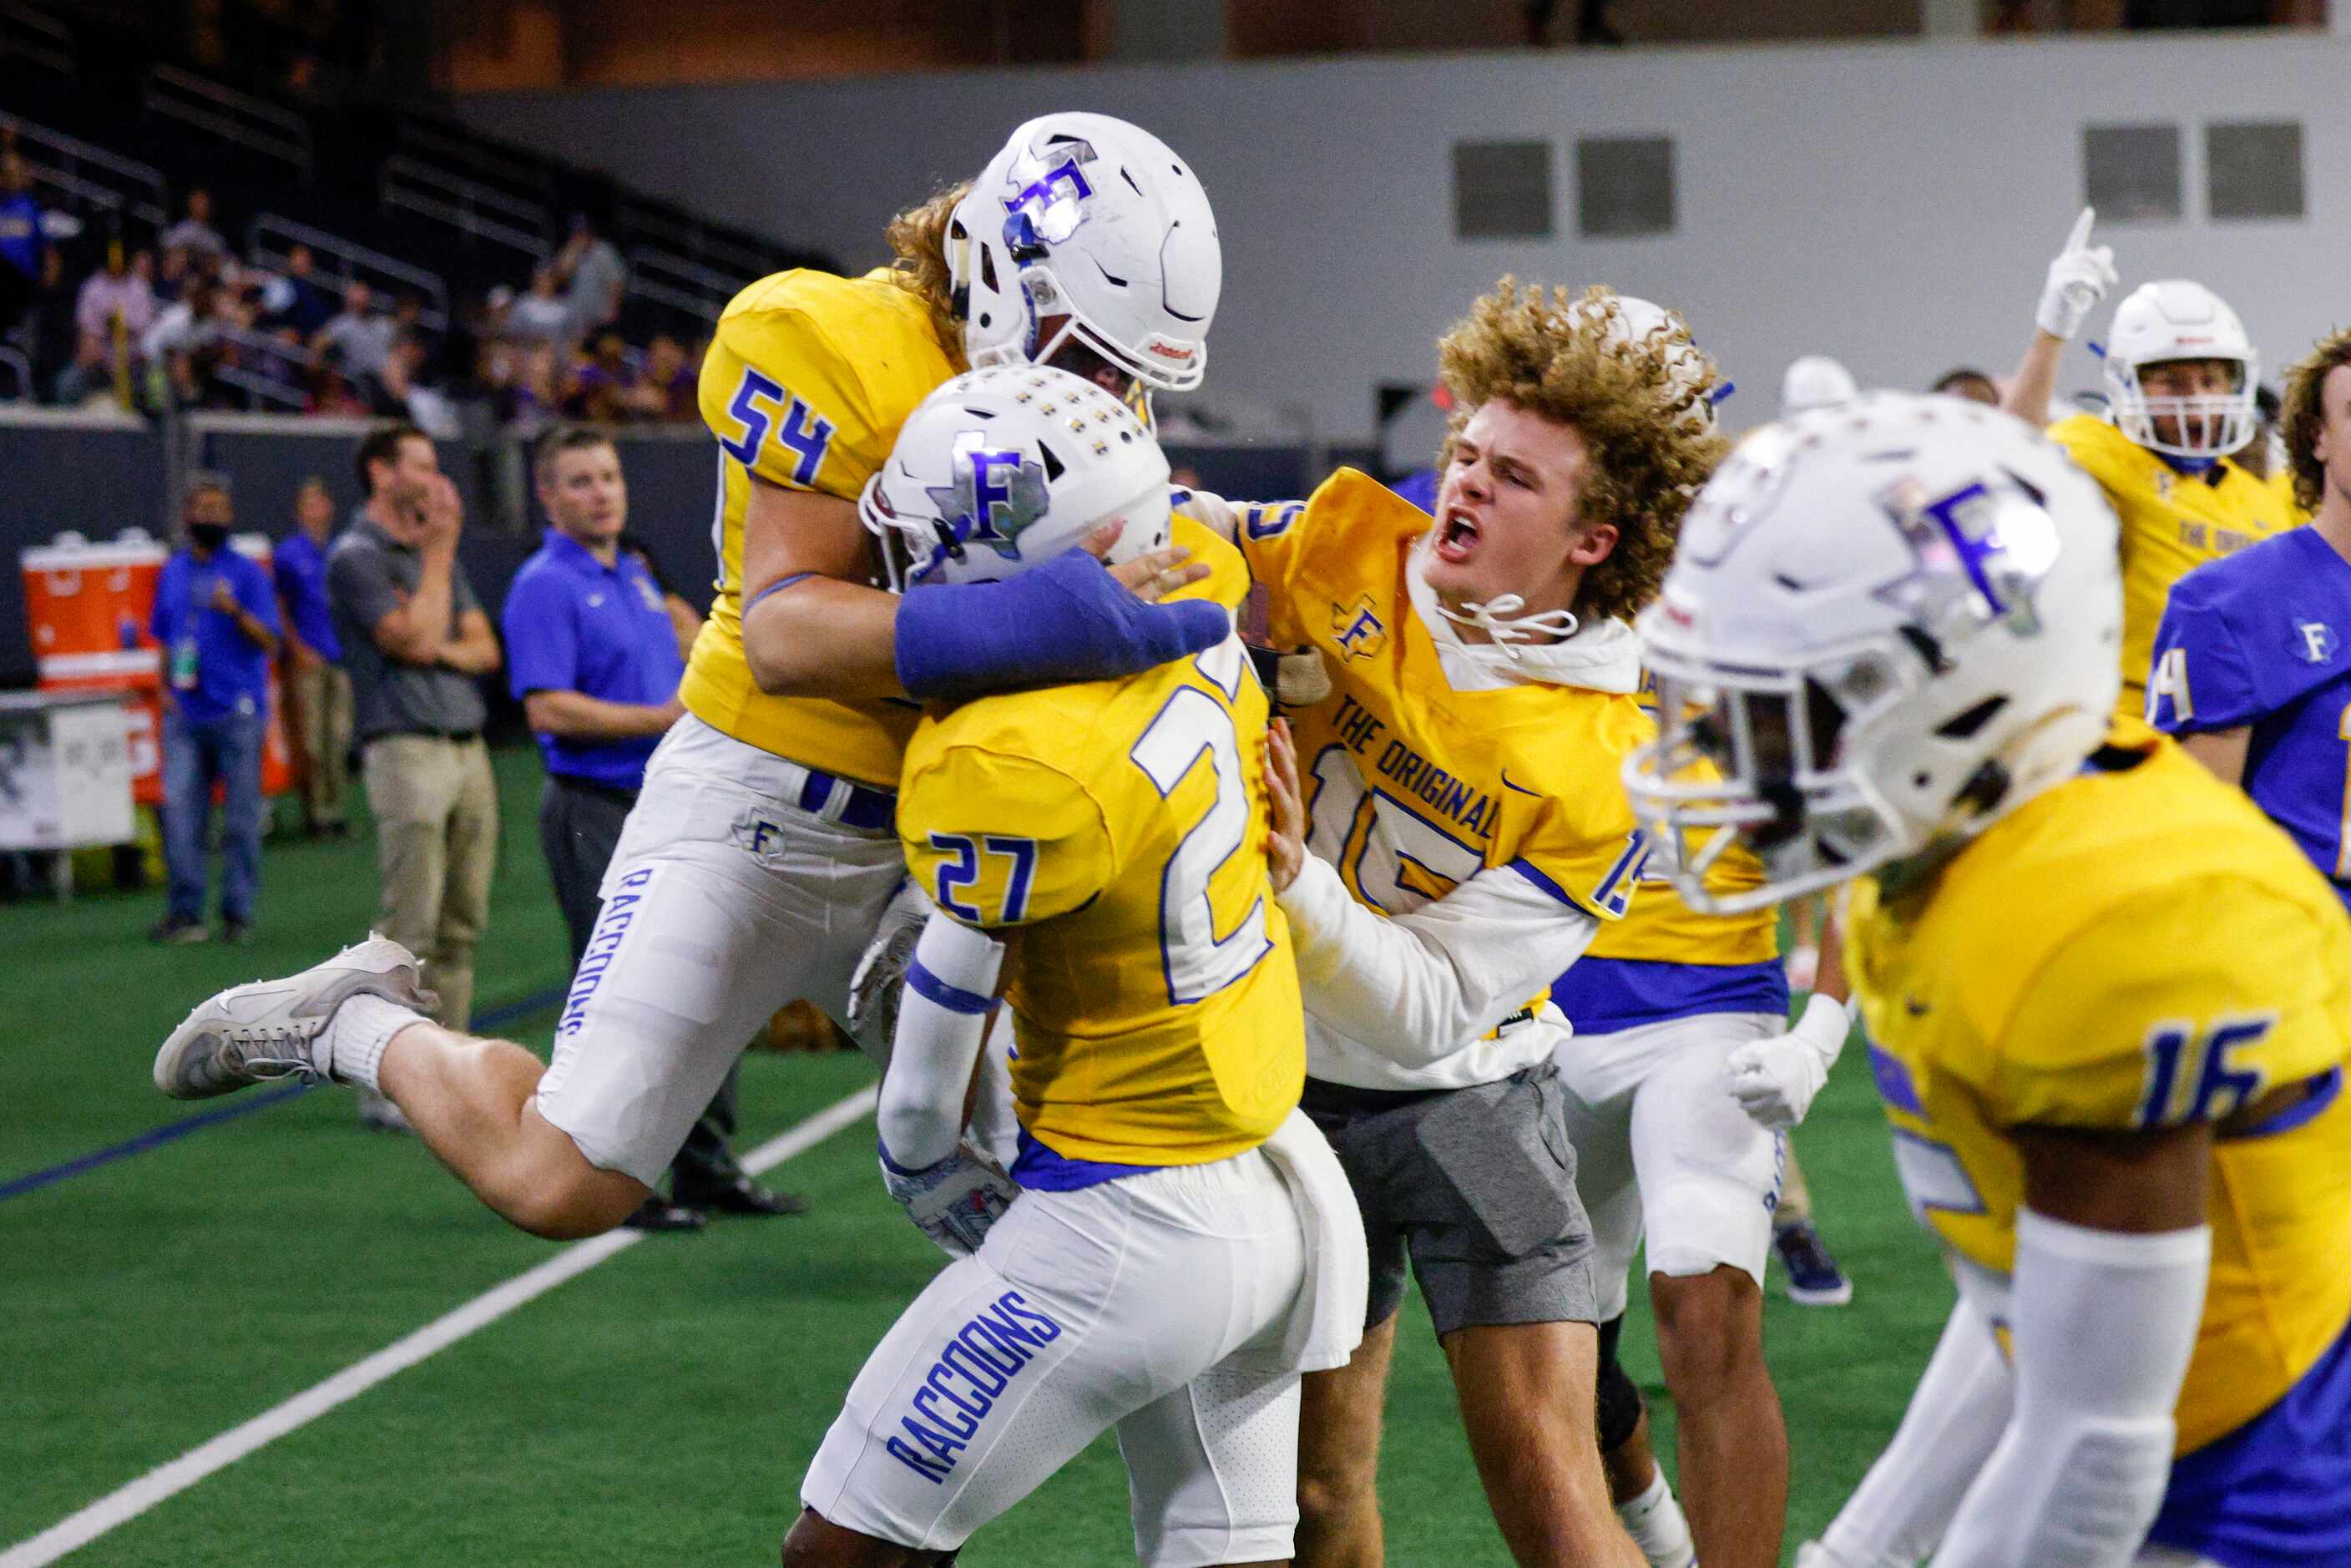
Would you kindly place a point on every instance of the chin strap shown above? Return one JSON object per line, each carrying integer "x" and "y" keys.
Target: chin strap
{"x": 1500, "y": 621}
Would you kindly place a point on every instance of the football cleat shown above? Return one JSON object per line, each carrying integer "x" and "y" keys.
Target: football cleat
{"x": 1814, "y": 1277}
{"x": 269, "y": 1029}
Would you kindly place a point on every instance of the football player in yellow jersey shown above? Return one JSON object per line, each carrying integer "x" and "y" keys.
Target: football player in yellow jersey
{"x": 1178, "y": 1230}
{"x": 1465, "y": 845}
{"x": 760, "y": 855}
{"x": 2108, "y": 1005}
{"x": 2181, "y": 381}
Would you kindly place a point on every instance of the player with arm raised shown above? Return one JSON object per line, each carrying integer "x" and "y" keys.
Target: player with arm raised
{"x": 2180, "y": 378}
{"x": 2107, "y": 1005}
{"x": 760, "y": 856}
{"x": 1467, "y": 844}
{"x": 1177, "y": 1230}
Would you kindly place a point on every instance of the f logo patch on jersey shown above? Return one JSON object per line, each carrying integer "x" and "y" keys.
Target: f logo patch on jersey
{"x": 2314, "y": 641}
{"x": 995, "y": 495}
{"x": 1361, "y": 632}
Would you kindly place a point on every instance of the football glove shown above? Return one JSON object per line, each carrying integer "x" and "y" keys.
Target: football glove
{"x": 881, "y": 976}
{"x": 1774, "y": 1079}
{"x": 2078, "y": 279}
{"x": 955, "y": 1201}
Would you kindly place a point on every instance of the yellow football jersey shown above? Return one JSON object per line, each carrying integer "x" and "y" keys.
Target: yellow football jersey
{"x": 808, "y": 379}
{"x": 2171, "y": 524}
{"x": 1414, "y": 786}
{"x": 1121, "y": 826}
{"x": 2137, "y": 947}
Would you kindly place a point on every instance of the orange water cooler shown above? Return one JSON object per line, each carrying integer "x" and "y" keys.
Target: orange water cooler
{"x": 88, "y": 606}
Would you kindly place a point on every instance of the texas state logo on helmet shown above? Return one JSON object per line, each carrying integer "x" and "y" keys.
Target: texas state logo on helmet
{"x": 2175, "y": 320}
{"x": 1094, "y": 222}
{"x": 1887, "y": 623}
{"x": 1002, "y": 470}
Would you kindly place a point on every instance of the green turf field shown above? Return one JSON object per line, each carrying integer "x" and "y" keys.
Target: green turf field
{"x": 658, "y": 1409}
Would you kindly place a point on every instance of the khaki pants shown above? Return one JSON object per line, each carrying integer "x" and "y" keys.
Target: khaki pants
{"x": 322, "y": 733}
{"x": 437, "y": 824}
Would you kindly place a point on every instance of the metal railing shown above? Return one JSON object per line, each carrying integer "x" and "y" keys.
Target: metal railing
{"x": 455, "y": 148}
{"x": 239, "y": 118}
{"x": 679, "y": 284}
{"x": 40, "y": 39}
{"x": 474, "y": 209}
{"x": 270, "y": 237}
{"x": 693, "y": 241}
{"x": 259, "y": 387}
{"x": 89, "y": 173}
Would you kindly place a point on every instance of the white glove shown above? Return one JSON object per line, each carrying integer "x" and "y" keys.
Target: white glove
{"x": 881, "y": 976}
{"x": 955, "y": 1201}
{"x": 1774, "y": 1079}
{"x": 2078, "y": 279}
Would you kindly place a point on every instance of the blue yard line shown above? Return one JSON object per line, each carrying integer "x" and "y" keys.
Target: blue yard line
{"x": 171, "y": 1132}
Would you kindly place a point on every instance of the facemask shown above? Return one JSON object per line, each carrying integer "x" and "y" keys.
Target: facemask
{"x": 208, "y": 536}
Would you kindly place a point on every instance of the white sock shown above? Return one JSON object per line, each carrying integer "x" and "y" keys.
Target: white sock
{"x": 1655, "y": 1521}
{"x": 357, "y": 1035}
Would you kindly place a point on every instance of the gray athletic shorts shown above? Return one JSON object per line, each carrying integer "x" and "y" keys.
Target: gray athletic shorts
{"x": 1477, "y": 1187}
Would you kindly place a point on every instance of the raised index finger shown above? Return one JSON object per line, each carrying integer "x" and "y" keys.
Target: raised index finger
{"x": 2080, "y": 235}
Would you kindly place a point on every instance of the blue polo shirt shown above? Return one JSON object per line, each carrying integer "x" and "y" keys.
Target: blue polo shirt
{"x": 574, "y": 625}
{"x": 232, "y": 670}
{"x": 300, "y": 567}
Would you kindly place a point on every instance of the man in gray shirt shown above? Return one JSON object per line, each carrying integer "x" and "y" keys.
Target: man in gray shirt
{"x": 415, "y": 639}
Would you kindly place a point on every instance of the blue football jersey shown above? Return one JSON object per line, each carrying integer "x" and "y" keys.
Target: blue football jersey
{"x": 2262, "y": 639}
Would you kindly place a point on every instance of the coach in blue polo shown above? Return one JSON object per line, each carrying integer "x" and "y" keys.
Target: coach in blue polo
{"x": 595, "y": 657}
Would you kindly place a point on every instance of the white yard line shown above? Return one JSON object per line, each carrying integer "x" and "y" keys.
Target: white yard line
{"x": 120, "y": 1507}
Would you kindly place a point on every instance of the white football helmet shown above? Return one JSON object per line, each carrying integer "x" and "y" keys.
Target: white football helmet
{"x": 1089, "y": 218}
{"x": 1664, "y": 333}
{"x": 1886, "y": 624}
{"x": 1816, "y": 381}
{"x": 2180, "y": 321}
{"x": 1002, "y": 469}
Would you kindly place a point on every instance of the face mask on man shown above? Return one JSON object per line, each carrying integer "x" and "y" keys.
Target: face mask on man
{"x": 208, "y": 536}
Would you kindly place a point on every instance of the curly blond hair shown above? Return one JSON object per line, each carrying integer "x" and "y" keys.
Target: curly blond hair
{"x": 2304, "y": 415}
{"x": 1639, "y": 403}
{"x": 918, "y": 245}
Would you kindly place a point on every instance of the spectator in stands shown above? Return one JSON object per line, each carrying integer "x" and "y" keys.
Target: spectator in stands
{"x": 1969, "y": 383}
{"x": 594, "y": 275}
{"x": 541, "y": 316}
{"x": 405, "y": 393}
{"x": 24, "y": 253}
{"x": 363, "y": 337}
{"x": 216, "y": 620}
{"x": 530, "y": 402}
{"x": 183, "y": 334}
{"x": 597, "y": 662}
{"x": 669, "y": 389}
{"x": 112, "y": 315}
{"x": 296, "y": 298}
{"x": 318, "y": 688}
{"x": 329, "y": 393}
{"x": 195, "y": 234}
{"x": 603, "y": 384}
{"x": 415, "y": 639}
